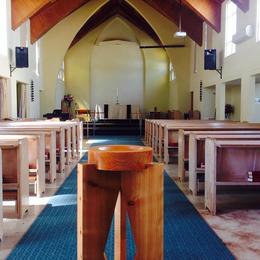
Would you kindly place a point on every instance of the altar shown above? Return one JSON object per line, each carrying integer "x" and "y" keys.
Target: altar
{"x": 117, "y": 111}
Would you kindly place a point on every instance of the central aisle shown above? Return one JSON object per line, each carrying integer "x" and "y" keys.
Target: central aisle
{"x": 53, "y": 233}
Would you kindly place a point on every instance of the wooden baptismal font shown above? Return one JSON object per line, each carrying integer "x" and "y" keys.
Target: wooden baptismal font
{"x": 121, "y": 179}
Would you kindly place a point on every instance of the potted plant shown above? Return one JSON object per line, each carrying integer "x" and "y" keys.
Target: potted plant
{"x": 229, "y": 110}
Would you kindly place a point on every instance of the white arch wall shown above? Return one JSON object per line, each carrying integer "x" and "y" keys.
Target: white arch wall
{"x": 178, "y": 97}
{"x": 155, "y": 71}
{"x": 53, "y": 52}
{"x": 117, "y": 66}
{"x": 54, "y": 46}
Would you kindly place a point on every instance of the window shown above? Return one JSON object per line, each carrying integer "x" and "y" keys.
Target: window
{"x": 61, "y": 73}
{"x": 207, "y": 37}
{"x": 258, "y": 21}
{"x": 3, "y": 28}
{"x": 23, "y": 35}
{"x": 172, "y": 75}
{"x": 231, "y": 28}
{"x": 37, "y": 57}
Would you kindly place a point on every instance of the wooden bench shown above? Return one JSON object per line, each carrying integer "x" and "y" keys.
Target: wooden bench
{"x": 62, "y": 134}
{"x": 15, "y": 174}
{"x": 171, "y": 135}
{"x": 36, "y": 151}
{"x": 227, "y": 163}
{"x": 183, "y": 139}
{"x": 197, "y": 150}
{"x": 157, "y": 134}
{"x": 50, "y": 145}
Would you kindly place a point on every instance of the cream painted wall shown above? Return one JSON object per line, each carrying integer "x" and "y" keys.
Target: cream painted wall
{"x": 156, "y": 92}
{"x": 233, "y": 97}
{"x": 116, "y": 66}
{"x": 244, "y": 64}
{"x": 156, "y": 78}
{"x": 180, "y": 58}
{"x": 256, "y": 106}
{"x": 208, "y": 103}
{"x": 77, "y": 69}
{"x": 53, "y": 50}
{"x": 18, "y": 38}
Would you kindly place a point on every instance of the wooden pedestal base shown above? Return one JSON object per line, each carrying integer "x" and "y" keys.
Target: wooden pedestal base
{"x": 141, "y": 196}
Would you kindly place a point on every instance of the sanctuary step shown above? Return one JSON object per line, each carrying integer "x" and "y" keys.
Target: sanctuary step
{"x": 114, "y": 127}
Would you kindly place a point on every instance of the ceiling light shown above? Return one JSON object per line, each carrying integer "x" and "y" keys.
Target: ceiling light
{"x": 180, "y": 33}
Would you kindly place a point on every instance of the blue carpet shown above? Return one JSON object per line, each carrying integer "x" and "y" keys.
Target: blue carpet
{"x": 53, "y": 233}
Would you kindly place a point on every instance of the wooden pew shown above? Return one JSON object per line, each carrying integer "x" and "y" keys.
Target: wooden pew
{"x": 62, "y": 132}
{"x": 197, "y": 150}
{"x": 76, "y": 131}
{"x": 73, "y": 136}
{"x": 220, "y": 169}
{"x": 171, "y": 136}
{"x": 50, "y": 145}
{"x": 36, "y": 155}
{"x": 183, "y": 140}
{"x": 158, "y": 127}
{"x": 16, "y": 174}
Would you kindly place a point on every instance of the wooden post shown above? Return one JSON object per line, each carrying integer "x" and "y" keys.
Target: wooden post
{"x": 166, "y": 144}
{"x": 193, "y": 164}
{"x": 210, "y": 175}
{"x": 97, "y": 196}
{"x": 181, "y": 147}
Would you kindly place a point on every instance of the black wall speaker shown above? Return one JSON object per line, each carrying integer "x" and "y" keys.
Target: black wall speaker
{"x": 21, "y": 57}
{"x": 210, "y": 59}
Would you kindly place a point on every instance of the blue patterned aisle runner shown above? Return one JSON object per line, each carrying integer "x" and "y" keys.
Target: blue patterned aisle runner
{"x": 53, "y": 233}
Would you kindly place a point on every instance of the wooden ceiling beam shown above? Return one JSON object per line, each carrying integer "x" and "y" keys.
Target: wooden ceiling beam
{"x": 23, "y": 9}
{"x": 111, "y": 9}
{"x": 208, "y": 10}
{"x": 191, "y": 22}
{"x": 50, "y": 15}
{"x": 242, "y": 4}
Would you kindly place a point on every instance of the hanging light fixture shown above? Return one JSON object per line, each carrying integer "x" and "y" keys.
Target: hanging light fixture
{"x": 180, "y": 33}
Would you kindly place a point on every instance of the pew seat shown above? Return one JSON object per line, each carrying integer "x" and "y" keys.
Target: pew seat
{"x": 227, "y": 163}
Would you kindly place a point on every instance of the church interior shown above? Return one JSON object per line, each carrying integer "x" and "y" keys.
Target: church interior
{"x": 129, "y": 129}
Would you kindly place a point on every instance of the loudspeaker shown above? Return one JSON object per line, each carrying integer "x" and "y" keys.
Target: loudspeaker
{"x": 21, "y": 57}
{"x": 210, "y": 59}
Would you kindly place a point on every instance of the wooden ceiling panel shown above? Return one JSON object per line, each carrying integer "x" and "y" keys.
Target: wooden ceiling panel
{"x": 24, "y": 9}
{"x": 208, "y": 10}
{"x": 50, "y": 15}
{"x": 242, "y": 4}
{"x": 116, "y": 8}
{"x": 191, "y": 22}
{"x": 44, "y": 14}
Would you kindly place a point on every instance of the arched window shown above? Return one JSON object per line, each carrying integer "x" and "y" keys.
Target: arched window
{"x": 171, "y": 70}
